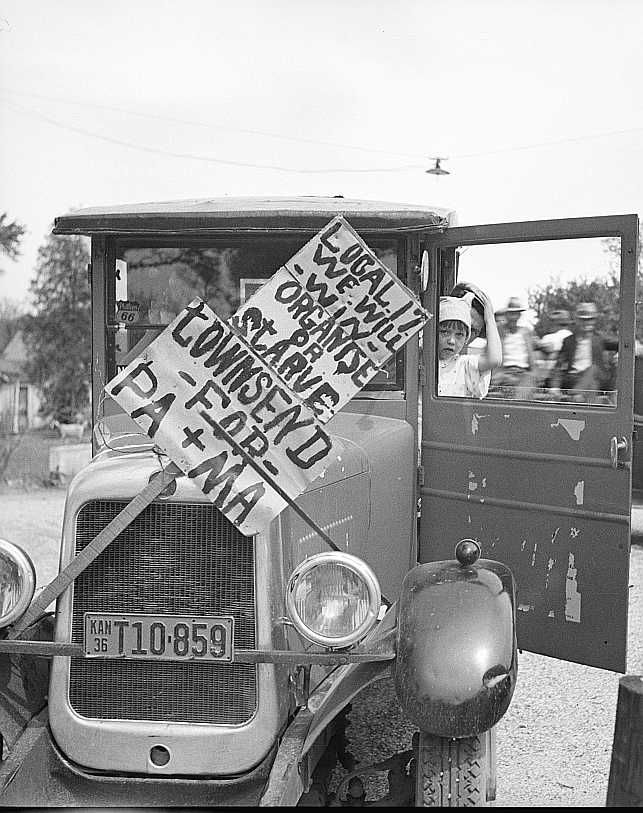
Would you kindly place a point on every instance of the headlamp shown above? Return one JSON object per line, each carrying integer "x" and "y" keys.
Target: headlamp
{"x": 333, "y": 599}
{"x": 17, "y": 582}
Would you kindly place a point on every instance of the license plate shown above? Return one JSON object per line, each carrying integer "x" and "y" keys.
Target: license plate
{"x": 159, "y": 637}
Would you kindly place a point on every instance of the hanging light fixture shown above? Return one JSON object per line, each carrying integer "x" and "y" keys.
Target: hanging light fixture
{"x": 437, "y": 169}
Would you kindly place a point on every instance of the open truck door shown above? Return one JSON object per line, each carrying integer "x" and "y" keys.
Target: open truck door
{"x": 539, "y": 478}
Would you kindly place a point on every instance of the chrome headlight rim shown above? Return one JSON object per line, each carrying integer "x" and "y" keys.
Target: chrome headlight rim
{"x": 27, "y": 575}
{"x": 358, "y": 567}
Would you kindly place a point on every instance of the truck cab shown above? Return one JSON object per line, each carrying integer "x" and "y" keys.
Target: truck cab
{"x": 194, "y": 663}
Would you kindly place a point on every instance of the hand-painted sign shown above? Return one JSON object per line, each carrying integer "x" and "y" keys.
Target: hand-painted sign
{"x": 304, "y": 344}
{"x": 239, "y": 405}
{"x": 197, "y": 376}
{"x": 370, "y": 304}
{"x": 330, "y": 318}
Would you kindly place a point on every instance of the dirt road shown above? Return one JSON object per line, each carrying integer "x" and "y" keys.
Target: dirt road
{"x": 33, "y": 520}
{"x": 554, "y": 744}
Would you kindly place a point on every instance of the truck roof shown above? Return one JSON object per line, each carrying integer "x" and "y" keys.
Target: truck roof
{"x": 247, "y": 214}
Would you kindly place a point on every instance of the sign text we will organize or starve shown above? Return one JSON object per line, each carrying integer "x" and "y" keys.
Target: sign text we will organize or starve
{"x": 218, "y": 395}
{"x": 330, "y": 318}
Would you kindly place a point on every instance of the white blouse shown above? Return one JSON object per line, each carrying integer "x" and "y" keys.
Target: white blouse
{"x": 461, "y": 376}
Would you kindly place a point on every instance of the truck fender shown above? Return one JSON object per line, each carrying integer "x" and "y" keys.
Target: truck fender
{"x": 456, "y": 664}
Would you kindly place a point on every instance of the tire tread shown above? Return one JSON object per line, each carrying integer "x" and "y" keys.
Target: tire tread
{"x": 451, "y": 772}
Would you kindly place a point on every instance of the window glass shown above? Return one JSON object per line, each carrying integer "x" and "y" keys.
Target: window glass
{"x": 152, "y": 284}
{"x": 555, "y": 307}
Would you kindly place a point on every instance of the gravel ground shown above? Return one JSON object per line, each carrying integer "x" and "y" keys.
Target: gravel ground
{"x": 554, "y": 743}
{"x": 32, "y": 518}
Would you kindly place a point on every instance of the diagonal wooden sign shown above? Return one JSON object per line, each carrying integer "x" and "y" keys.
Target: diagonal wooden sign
{"x": 216, "y": 396}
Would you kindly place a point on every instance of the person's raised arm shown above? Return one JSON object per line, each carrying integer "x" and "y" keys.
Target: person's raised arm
{"x": 492, "y": 355}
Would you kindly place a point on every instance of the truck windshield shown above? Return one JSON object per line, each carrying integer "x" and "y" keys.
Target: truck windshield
{"x": 149, "y": 285}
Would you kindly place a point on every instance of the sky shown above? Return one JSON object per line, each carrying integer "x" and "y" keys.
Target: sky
{"x": 534, "y": 106}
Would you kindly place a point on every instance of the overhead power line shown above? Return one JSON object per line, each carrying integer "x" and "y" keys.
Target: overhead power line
{"x": 22, "y": 110}
{"x": 215, "y": 125}
{"x": 193, "y": 156}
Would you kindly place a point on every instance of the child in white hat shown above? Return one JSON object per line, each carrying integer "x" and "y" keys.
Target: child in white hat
{"x": 465, "y": 375}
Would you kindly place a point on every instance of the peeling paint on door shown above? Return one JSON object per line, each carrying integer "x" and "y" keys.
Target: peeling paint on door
{"x": 550, "y": 566}
{"x": 572, "y": 594}
{"x": 572, "y": 426}
{"x": 579, "y": 492}
{"x": 475, "y": 422}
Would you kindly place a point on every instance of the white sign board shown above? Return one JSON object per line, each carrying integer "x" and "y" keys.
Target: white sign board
{"x": 212, "y": 394}
{"x": 198, "y": 375}
{"x": 329, "y": 319}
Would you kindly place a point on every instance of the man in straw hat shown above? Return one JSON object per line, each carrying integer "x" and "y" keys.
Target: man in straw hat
{"x": 459, "y": 374}
{"x": 518, "y": 366}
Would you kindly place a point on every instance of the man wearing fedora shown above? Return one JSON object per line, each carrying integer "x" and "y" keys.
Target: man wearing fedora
{"x": 582, "y": 363}
{"x": 552, "y": 342}
{"x": 517, "y": 370}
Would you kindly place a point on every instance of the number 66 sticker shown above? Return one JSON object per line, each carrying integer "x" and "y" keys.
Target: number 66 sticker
{"x": 127, "y": 311}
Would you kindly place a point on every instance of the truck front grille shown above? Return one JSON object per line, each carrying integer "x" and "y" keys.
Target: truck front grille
{"x": 174, "y": 559}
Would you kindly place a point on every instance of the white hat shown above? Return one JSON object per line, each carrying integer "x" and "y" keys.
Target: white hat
{"x": 457, "y": 308}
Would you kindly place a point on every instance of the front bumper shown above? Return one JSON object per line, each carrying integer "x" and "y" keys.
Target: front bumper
{"x": 35, "y": 774}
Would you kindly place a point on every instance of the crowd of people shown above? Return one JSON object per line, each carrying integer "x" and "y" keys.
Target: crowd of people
{"x": 482, "y": 352}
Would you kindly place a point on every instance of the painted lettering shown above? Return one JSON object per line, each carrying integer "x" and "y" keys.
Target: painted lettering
{"x": 319, "y": 439}
{"x": 193, "y": 311}
{"x": 245, "y": 499}
{"x": 324, "y": 398}
{"x": 247, "y": 395}
{"x": 155, "y": 411}
{"x": 320, "y": 290}
{"x": 208, "y": 339}
{"x": 130, "y": 381}
{"x": 327, "y": 234}
{"x": 217, "y": 475}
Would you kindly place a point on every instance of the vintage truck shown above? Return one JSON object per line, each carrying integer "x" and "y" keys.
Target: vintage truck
{"x": 190, "y": 664}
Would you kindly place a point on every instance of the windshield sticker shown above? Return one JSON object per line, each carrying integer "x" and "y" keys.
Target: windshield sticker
{"x": 127, "y": 311}
{"x": 240, "y": 406}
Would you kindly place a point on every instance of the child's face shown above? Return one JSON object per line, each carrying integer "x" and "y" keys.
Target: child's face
{"x": 451, "y": 339}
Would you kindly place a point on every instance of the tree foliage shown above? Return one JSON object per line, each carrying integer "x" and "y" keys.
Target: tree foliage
{"x": 553, "y": 295}
{"x": 58, "y": 334}
{"x": 10, "y": 318}
{"x": 604, "y": 292}
{"x": 166, "y": 279}
{"x": 11, "y": 233}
